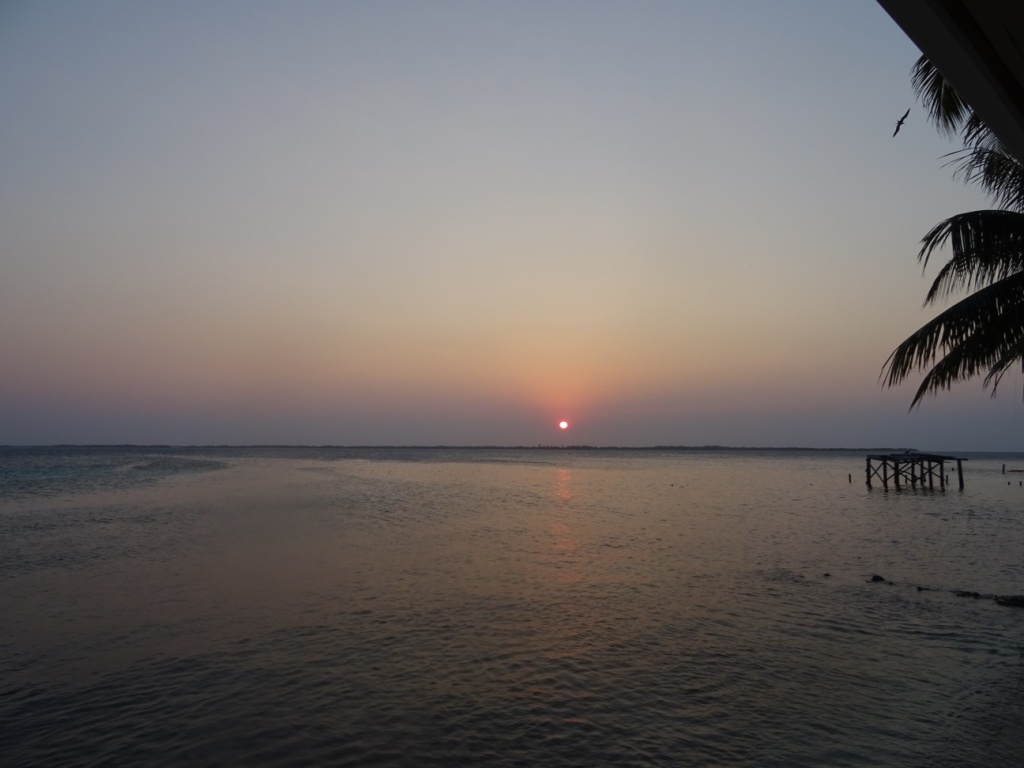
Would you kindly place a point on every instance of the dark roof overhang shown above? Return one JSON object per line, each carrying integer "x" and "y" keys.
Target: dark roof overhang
{"x": 978, "y": 45}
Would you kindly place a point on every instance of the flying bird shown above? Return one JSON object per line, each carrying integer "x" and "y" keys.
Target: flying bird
{"x": 899, "y": 123}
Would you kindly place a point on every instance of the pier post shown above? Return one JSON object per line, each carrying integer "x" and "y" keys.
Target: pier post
{"x": 867, "y": 470}
{"x": 960, "y": 472}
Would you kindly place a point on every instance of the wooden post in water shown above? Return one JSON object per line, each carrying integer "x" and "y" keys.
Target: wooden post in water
{"x": 867, "y": 470}
{"x": 960, "y": 472}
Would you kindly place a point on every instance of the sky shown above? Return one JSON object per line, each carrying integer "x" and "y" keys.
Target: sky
{"x": 409, "y": 223}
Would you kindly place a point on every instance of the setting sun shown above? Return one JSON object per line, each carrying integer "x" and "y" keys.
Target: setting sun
{"x": 563, "y": 425}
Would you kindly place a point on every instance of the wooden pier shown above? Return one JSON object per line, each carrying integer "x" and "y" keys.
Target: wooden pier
{"x": 912, "y": 469}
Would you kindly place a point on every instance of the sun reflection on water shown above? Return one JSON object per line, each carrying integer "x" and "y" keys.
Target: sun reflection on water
{"x": 562, "y": 492}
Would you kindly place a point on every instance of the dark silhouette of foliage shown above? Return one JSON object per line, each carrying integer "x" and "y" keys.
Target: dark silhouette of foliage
{"x": 984, "y": 332}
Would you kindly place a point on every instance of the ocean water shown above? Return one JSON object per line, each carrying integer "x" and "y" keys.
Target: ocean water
{"x": 443, "y": 607}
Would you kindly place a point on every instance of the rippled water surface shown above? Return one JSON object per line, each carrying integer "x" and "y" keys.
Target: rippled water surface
{"x": 283, "y": 607}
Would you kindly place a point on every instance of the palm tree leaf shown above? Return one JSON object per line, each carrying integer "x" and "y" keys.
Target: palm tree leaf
{"x": 975, "y": 133}
{"x": 987, "y": 246}
{"x": 992, "y": 168}
{"x": 983, "y": 160}
{"x": 944, "y": 106}
{"x": 981, "y": 351}
{"x": 984, "y": 331}
{"x": 1012, "y": 355}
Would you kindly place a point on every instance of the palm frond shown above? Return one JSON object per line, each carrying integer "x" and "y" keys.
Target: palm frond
{"x": 974, "y": 355}
{"x": 983, "y": 160}
{"x": 975, "y": 133}
{"x": 945, "y": 108}
{"x": 997, "y": 172}
{"x": 987, "y": 246}
{"x": 983, "y": 332}
{"x": 995, "y": 374}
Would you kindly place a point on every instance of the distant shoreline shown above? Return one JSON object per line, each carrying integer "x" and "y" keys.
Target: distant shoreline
{"x": 159, "y": 447}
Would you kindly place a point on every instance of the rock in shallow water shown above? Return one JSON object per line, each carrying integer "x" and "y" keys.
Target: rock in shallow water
{"x": 1013, "y": 601}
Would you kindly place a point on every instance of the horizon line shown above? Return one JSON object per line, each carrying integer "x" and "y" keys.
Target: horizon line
{"x": 539, "y": 446}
